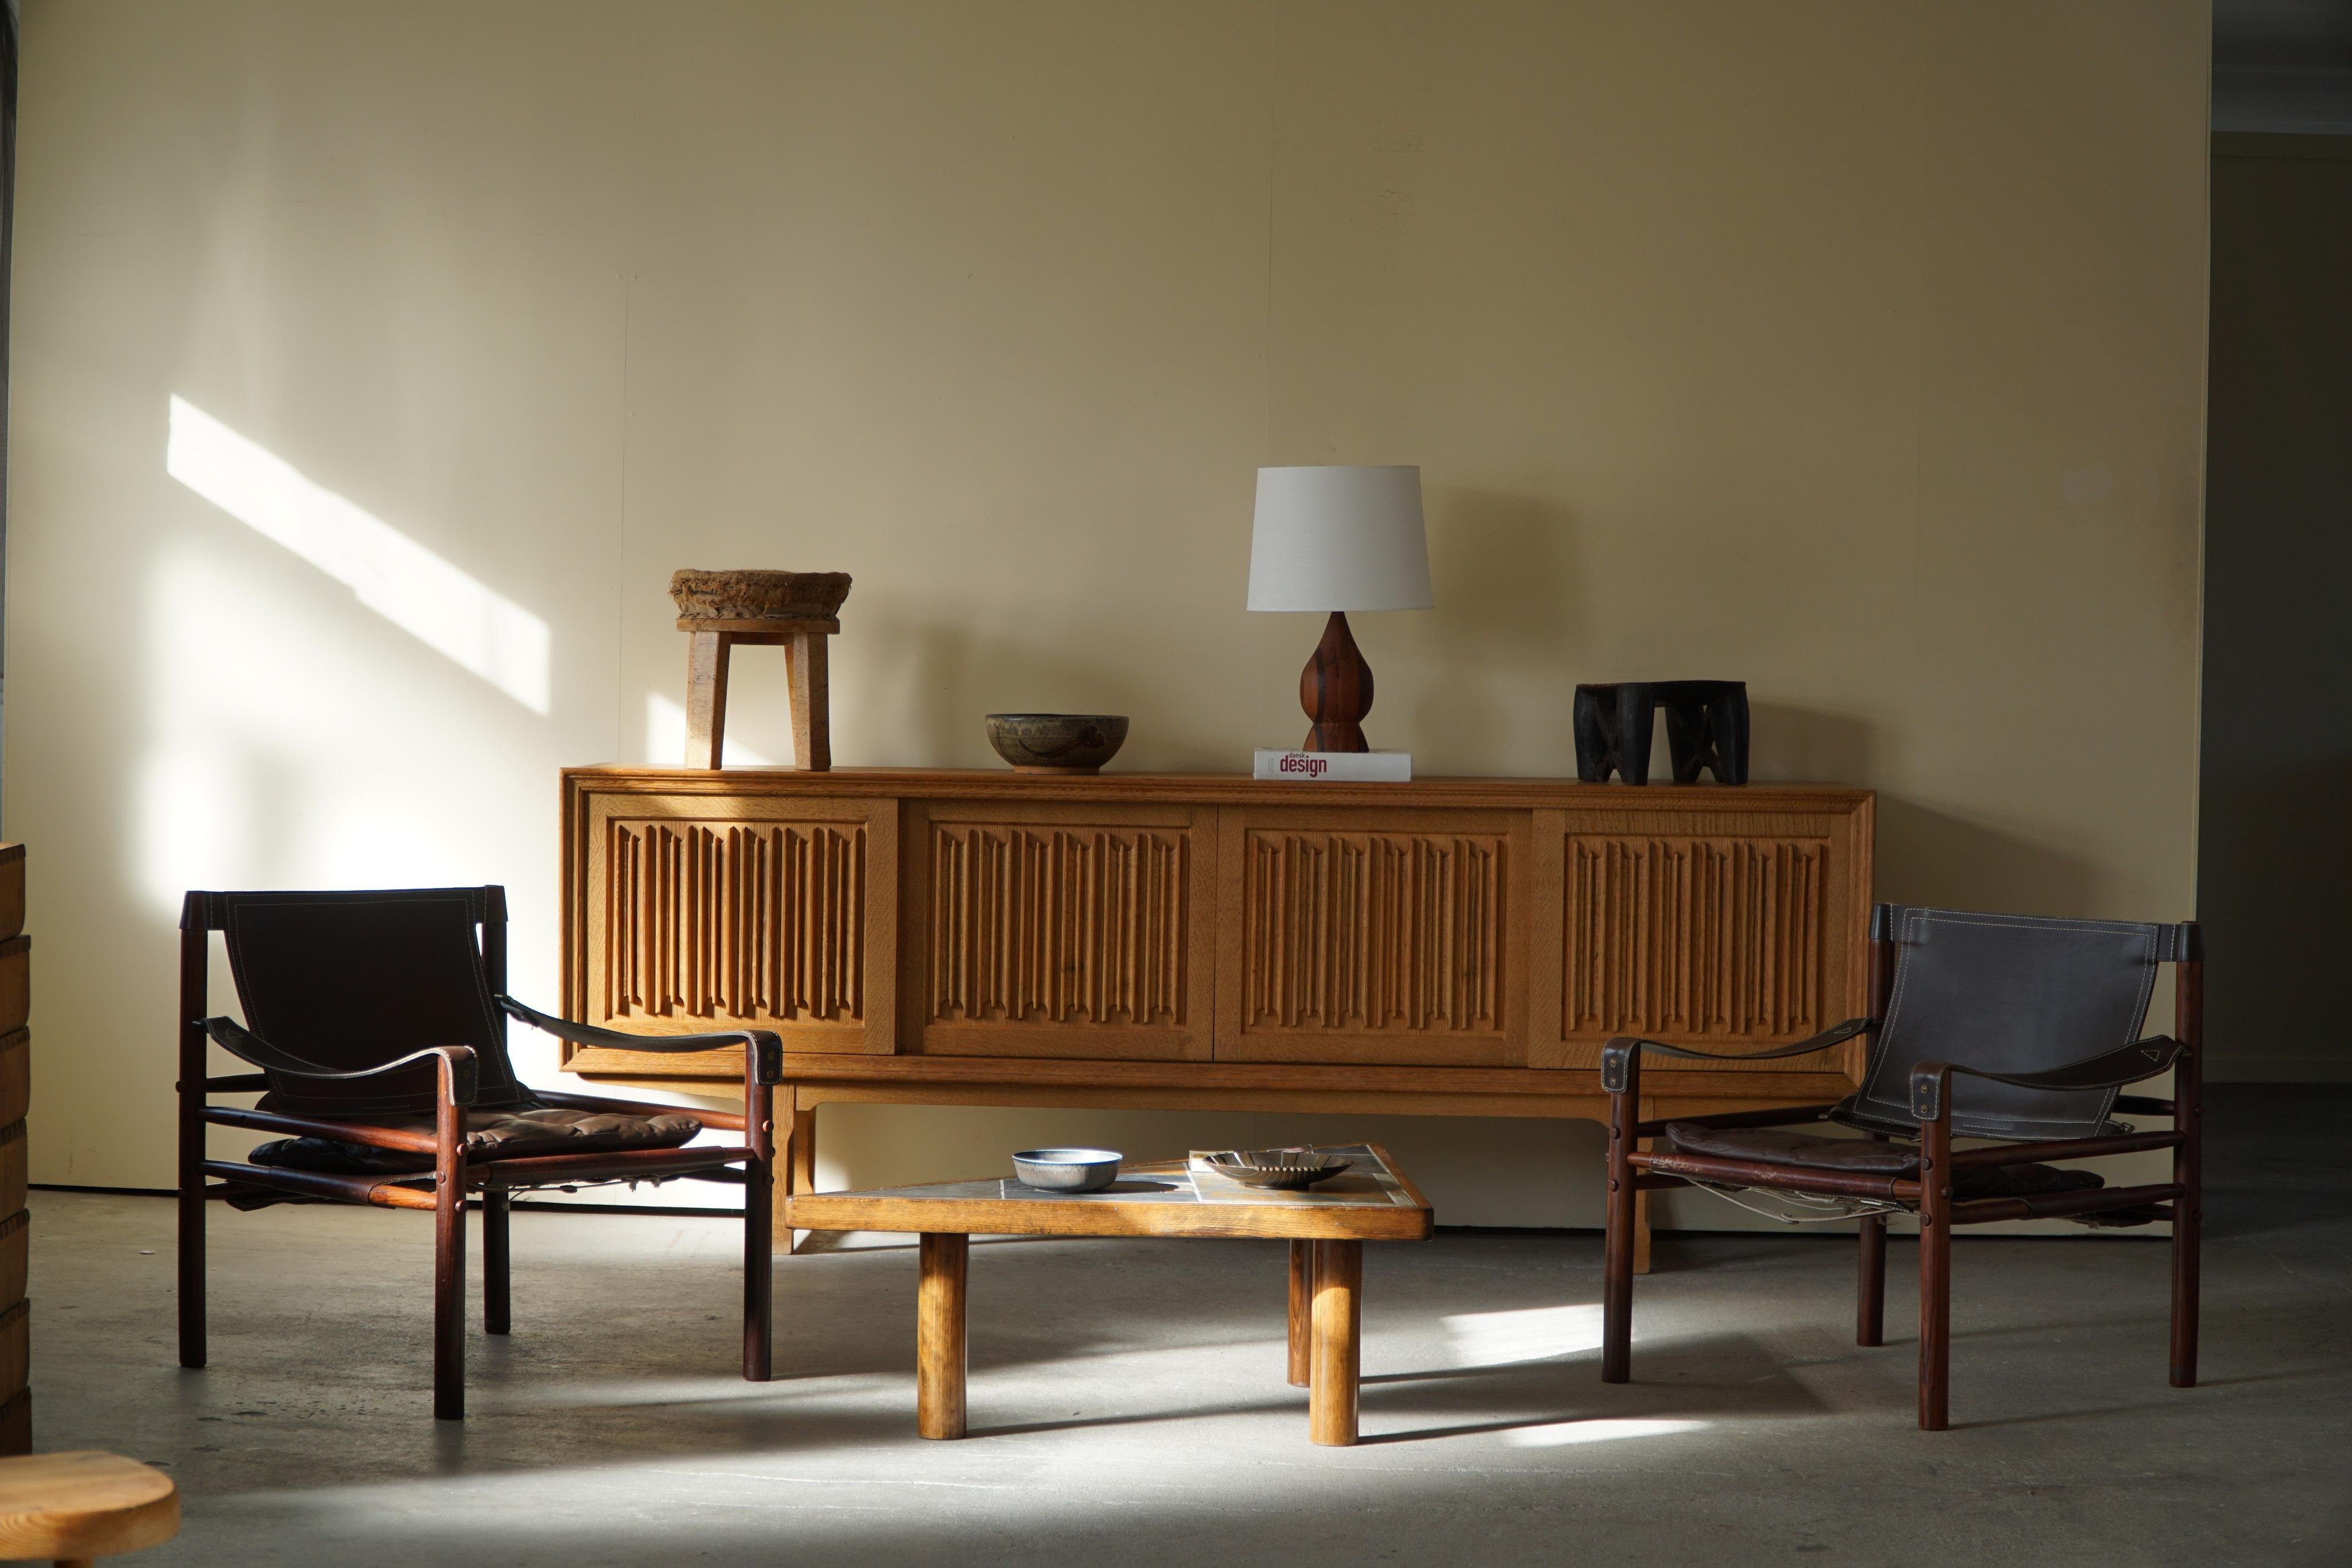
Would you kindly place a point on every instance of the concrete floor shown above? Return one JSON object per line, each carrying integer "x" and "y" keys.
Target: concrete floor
{"x": 1129, "y": 1406}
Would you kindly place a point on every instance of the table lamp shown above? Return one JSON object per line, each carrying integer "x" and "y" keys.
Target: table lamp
{"x": 1339, "y": 539}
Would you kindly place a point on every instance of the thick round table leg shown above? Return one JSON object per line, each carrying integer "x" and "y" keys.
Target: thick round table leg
{"x": 1302, "y": 1305}
{"x": 940, "y": 1352}
{"x": 1336, "y": 1354}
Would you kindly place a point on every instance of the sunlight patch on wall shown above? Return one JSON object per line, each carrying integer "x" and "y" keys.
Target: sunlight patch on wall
{"x": 1559, "y": 1434}
{"x": 441, "y": 606}
{"x": 279, "y": 756}
{"x": 665, "y": 738}
{"x": 1532, "y": 1333}
{"x": 195, "y": 815}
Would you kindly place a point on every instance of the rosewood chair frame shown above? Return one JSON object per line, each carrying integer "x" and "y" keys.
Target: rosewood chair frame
{"x": 446, "y": 1189}
{"x": 1634, "y": 1168}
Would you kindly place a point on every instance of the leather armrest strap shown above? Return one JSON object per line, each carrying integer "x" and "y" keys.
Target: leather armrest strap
{"x": 2109, "y": 1069}
{"x": 243, "y": 1044}
{"x": 764, "y": 1047}
{"x": 1614, "y": 1055}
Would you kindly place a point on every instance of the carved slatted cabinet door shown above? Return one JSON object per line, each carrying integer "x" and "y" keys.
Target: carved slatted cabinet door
{"x": 1372, "y": 936}
{"x": 1717, "y": 927}
{"x": 711, "y": 912}
{"x": 1059, "y": 932}
{"x": 1063, "y": 930}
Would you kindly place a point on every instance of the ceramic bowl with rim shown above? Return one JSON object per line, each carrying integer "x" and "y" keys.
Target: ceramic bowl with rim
{"x": 1284, "y": 1170}
{"x": 1056, "y": 742}
{"x": 1066, "y": 1170}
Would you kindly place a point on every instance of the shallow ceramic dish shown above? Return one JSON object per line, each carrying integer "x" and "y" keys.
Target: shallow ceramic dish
{"x": 1284, "y": 1170}
{"x": 1056, "y": 742}
{"x": 1066, "y": 1170}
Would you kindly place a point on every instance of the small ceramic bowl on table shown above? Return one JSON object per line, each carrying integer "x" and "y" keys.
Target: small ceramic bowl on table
{"x": 1056, "y": 742}
{"x": 1066, "y": 1170}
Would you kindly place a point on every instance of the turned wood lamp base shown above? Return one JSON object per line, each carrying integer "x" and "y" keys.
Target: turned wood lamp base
{"x": 1336, "y": 690}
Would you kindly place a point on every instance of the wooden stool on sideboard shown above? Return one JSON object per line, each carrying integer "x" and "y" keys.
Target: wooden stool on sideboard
{"x": 794, "y": 610}
{"x": 76, "y": 1507}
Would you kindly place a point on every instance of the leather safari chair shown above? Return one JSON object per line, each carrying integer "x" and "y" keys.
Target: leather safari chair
{"x": 377, "y": 1023}
{"x": 2014, "y": 1029}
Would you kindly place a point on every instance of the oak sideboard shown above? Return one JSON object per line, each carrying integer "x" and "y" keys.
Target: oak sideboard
{"x": 1447, "y": 947}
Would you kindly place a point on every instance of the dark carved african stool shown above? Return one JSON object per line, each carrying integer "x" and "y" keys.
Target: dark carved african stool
{"x": 1707, "y": 726}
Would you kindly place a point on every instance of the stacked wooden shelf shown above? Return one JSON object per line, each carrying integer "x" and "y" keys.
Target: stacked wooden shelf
{"x": 15, "y": 1090}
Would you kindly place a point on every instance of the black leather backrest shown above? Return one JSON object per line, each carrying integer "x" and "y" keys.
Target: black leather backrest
{"x": 352, "y": 980}
{"x": 2009, "y": 993}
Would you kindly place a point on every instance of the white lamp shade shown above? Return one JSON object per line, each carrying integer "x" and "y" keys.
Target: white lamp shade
{"x": 1339, "y": 539}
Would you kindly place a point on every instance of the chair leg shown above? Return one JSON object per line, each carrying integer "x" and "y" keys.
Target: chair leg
{"x": 194, "y": 956}
{"x": 1617, "y": 1246}
{"x": 497, "y": 1301}
{"x": 2186, "y": 1267}
{"x": 759, "y": 1234}
{"x": 192, "y": 1272}
{"x": 758, "y": 1274}
{"x": 449, "y": 1299}
{"x": 1870, "y": 1306}
{"x": 1935, "y": 1277}
{"x": 2187, "y": 1159}
{"x": 2188, "y": 1169}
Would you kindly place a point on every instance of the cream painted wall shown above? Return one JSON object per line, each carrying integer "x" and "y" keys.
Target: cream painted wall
{"x": 1854, "y": 349}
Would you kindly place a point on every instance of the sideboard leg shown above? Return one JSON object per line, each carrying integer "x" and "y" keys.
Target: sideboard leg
{"x": 799, "y": 1168}
{"x": 1641, "y": 1216}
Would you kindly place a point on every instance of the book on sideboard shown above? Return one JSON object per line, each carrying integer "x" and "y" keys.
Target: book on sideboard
{"x": 1337, "y": 767}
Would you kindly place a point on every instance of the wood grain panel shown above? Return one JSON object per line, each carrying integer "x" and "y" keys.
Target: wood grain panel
{"x": 1058, "y": 925}
{"x": 16, "y": 982}
{"x": 736, "y": 921}
{"x": 17, "y": 1424}
{"x": 14, "y": 1242}
{"x": 775, "y": 915}
{"x": 12, "y": 890}
{"x": 11, "y": 1167}
{"x": 16, "y": 1348}
{"x": 1365, "y": 941}
{"x": 1697, "y": 939}
{"x": 15, "y": 1075}
{"x": 1373, "y": 931}
{"x": 1107, "y": 923}
{"x": 1060, "y": 938}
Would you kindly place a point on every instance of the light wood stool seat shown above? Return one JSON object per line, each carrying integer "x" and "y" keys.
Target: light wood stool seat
{"x": 75, "y": 1507}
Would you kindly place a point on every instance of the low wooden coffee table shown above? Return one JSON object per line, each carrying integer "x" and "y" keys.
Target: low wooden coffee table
{"x": 1326, "y": 1227}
